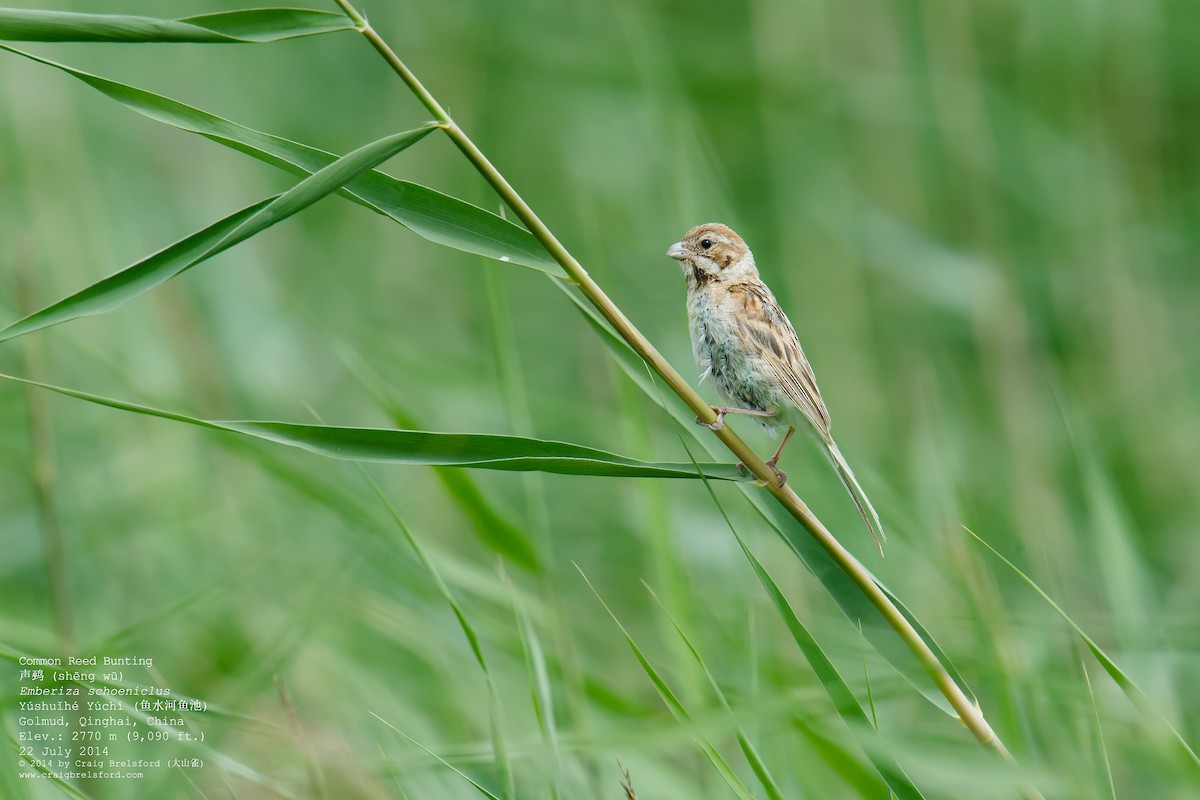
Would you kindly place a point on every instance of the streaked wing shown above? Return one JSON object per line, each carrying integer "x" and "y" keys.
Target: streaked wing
{"x": 765, "y": 327}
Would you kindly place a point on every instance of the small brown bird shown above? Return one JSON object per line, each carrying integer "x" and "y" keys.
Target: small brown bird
{"x": 746, "y": 346}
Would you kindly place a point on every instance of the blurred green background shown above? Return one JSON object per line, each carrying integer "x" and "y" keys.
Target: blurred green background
{"x": 981, "y": 218}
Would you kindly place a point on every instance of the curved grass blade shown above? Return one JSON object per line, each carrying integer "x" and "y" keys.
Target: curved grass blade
{"x": 859, "y": 609}
{"x": 1140, "y": 700}
{"x": 478, "y": 786}
{"x": 541, "y": 694}
{"x": 1104, "y": 759}
{"x": 748, "y": 750}
{"x": 489, "y": 522}
{"x": 323, "y": 182}
{"x": 119, "y": 288}
{"x": 426, "y": 448}
{"x": 262, "y": 25}
{"x": 673, "y": 704}
{"x": 251, "y": 26}
{"x": 428, "y": 213}
{"x": 843, "y": 760}
{"x": 499, "y": 748}
{"x": 847, "y": 705}
{"x": 839, "y": 585}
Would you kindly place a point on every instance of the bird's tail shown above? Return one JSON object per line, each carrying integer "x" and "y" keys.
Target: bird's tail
{"x": 856, "y": 493}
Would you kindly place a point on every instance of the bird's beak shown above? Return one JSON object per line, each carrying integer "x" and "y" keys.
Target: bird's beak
{"x": 677, "y": 252}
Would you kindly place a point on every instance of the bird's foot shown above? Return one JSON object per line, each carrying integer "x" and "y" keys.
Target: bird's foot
{"x": 778, "y": 472}
{"x": 719, "y": 424}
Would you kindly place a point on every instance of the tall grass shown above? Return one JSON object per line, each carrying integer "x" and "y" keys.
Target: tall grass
{"x": 979, "y": 218}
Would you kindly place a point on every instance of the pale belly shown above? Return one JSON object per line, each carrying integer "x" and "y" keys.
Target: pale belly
{"x": 739, "y": 376}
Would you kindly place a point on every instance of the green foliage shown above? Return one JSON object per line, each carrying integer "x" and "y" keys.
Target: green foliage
{"x": 425, "y": 448}
{"x": 248, "y": 26}
{"x": 978, "y": 215}
{"x": 123, "y": 286}
{"x": 428, "y": 213}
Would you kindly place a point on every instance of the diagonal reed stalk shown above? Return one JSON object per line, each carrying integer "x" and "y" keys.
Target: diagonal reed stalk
{"x": 970, "y": 714}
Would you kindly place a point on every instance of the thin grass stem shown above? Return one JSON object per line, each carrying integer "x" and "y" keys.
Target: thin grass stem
{"x": 45, "y": 479}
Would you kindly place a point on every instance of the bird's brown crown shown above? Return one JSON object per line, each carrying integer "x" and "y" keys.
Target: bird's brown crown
{"x": 724, "y": 245}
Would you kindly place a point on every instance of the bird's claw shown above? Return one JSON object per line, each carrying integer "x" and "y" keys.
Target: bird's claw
{"x": 778, "y": 472}
{"x": 718, "y": 425}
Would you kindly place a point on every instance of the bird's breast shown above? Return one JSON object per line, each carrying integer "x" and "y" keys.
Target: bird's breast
{"x": 721, "y": 353}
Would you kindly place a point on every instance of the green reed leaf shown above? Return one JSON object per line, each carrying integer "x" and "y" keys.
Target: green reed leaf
{"x": 119, "y": 288}
{"x": 749, "y": 751}
{"x": 835, "y": 686}
{"x": 849, "y": 709}
{"x": 426, "y": 448}
{"x": 490, "y": 523}
{"x": 673, "y": 703}
{"x": 250, "y": 26}
{"x": 541, "y": 690}
{"x": 478, "y": 786}
{"x": 428, "y": 213}
{"x": 1136, "y": 695}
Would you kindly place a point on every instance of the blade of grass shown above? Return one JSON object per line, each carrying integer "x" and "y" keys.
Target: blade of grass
{"x": 489, "y": 522}
{"x": 859, "y": 609}
{"x": 119, "y": 288}
{"x": 870, "y": 696}
{"x": 748, "y": 750}
{"x": 499, "y": 748}
{"x": 1140, "y": 700}
{"x": 673, "y": 703}
{"x": 1110, "y": 785}
{"x": 425, "y": 448}
{"x": 428, "y": 213}
{"x": 123, "y": 286}
{"x": 849, "y": 709}
{"x": 325, "y": 181}
{"x": 316, "y": 776}
{"x": 439, "y": 759}
{"x": 853, "y": 603}
{"x": 258, "y": 25}
{"x": 541, "y": 694}
{"x": 842, "y": 759}
{"x": 516, "y": 404}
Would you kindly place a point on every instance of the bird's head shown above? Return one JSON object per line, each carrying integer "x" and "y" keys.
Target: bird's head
{"x": 713, "y": 252}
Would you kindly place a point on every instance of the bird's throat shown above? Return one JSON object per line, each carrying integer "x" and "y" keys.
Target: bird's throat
{"x": 698, "y": 277}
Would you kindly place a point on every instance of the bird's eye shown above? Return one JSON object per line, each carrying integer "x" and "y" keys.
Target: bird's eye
{"x": 706, "y": 243}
